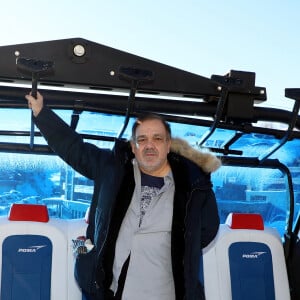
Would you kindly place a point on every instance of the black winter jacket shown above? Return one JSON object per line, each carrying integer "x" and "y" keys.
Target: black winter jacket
{"x": 195, "y": 216}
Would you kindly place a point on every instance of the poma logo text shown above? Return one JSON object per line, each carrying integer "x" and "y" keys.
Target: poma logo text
{"x": 31, "y": 249}
{"x": 253, "y": 255}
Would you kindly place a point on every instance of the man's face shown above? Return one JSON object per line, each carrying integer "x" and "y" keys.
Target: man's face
{"x": 151, "y": 145}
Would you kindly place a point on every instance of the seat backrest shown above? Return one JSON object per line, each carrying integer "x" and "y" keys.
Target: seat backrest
{"x": 293, "y": 265}
{"x": 36, "y": 255}
{"x": 26, "y": 267}
{"x": 245, "y": 261}
{"x": 33, "y": 256}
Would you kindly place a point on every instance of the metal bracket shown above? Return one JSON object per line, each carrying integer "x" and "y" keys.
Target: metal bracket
{"x": 235, "y": 105}
{"x": 135, "y": 77}
{"x": 37, "y": 69}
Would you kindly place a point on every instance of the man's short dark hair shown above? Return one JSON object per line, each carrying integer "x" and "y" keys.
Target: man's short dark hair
{"x": 147, "y": 117}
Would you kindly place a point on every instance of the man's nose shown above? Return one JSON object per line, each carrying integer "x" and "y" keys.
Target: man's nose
{"x": 149, "y": 143}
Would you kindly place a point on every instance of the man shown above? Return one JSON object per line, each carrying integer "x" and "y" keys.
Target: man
{"x": 152, "y": 211}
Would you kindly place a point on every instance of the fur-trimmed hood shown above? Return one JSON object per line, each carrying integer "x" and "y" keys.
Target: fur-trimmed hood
{"x": 204, "y": 159}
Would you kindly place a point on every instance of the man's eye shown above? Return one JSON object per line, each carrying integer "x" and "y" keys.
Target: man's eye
{"x": 141, "y": 140}
{"x": 158, "y": 139}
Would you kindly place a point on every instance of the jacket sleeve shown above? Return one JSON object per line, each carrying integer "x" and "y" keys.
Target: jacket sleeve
{"x": 210, "y": 219}
{"x": 202, "y": 224}
{"x": 69, "y": 145}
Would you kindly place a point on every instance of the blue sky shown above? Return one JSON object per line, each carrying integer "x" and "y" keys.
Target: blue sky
{"x": 203, "y": 37}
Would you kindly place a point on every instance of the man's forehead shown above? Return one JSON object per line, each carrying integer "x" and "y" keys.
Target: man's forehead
{"x": 151, "y": 127}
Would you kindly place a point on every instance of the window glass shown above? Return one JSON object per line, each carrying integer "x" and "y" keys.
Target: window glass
{"x": 253, "y": 190}
{"x": 99, "y": 124}
{"x": 43, "y": 179}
